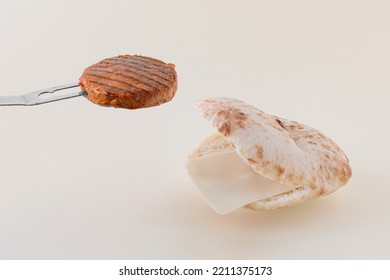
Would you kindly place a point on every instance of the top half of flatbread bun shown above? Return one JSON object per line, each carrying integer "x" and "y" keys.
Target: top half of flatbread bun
{"x": 284, "y": 151}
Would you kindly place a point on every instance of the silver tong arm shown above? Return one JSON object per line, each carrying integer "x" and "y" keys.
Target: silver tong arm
{"x": 41, "y": 96}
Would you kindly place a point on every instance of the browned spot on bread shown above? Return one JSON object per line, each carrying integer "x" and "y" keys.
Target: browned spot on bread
{"x": 333, "y": 170}
{"x": 313, "y": 185}
{"x": 259, "y": 152}
{"x": 290, "y": 177}
{"x": 232, "y": 113}
{"x": 234, "y": 117}
{"x": 223, "y": 114}
{"x": 345, "y": 173}
{"x": 280, "y": 123}
{"x": 266, "y": 162}
{"x": 240, "y": 115}
{"x": 341, "y": 172}
{"x": 279, "y": 170}
{"x": 322, "y": 191}
{"x": 296, "y": 126}
{"x": 250, "y": 206}
{"x": 225, "y": 128}
{"x": 241, "y": 124}
{"x": 327, "y": 156}
{"x": 326, "y": 146}
{"x": 251, "y": 160}
{"x": 349, "y": 171}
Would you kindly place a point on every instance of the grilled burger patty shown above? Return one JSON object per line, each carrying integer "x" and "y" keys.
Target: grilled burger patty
{"x": 130, "y": 81}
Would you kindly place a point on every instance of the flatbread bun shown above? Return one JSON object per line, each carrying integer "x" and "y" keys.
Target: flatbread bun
{"x": 284, "y": 151}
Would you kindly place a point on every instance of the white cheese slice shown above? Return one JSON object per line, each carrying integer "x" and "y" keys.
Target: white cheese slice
{"x": 228, "y": 183}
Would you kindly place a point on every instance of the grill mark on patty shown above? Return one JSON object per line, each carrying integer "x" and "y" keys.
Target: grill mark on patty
{"x": 166, "y": 72}
{"x": 102, "y": 71}
{"x": 128, "y": 69}
{"x": 122, "y": 82}
{"x": 145, "y": 68}
{"x": 108, "y": 88}
{"x": 98, "y": 79}
{"x": 161, "y": 65}
{"x": 149, "y": 60}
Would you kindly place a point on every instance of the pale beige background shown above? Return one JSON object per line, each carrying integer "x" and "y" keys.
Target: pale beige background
{"x": 82, "y": 181}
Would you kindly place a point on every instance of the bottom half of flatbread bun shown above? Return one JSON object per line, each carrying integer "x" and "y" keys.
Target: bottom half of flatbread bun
{"x": 228, "y": 182}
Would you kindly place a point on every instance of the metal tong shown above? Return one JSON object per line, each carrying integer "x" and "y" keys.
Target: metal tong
{"x": 41, "y": 96}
